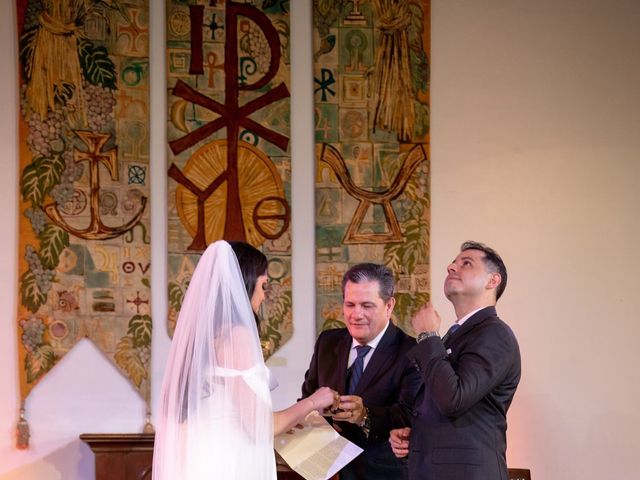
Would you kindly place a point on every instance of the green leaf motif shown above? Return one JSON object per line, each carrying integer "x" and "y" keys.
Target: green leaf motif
{"x": 31, "y": 296}
{"x": 419, "y": 61}
{"x": 422, "y": 112}
{"x": 176, "y": 294}
{"x": 271, "y": 333}
{"x": 51, "y": 171}
{"x": 140, "y": 330}
{"x": 392, "y": 254}
{"x": 280, "y": 309}
{"x": 97, "y": 67}
{"x": 403, "y": 257}
{"x": 145, "y": 282}
{"x": 407, "y": 304}
{"x": 39, "y": 362}
{"x": 39, "y": 177}
{"x": 63, "y": 92}
{"x": 52, "y": 241}
{"x": 31, "y": 187}
{"x": 27, "y": 49}
{"x": 330, "y": 323}
{"x": 129, "y": 361}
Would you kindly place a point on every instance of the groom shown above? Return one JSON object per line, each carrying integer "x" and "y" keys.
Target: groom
{"x": 469, "y": 377}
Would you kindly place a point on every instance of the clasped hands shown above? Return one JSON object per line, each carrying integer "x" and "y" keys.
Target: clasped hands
{"x": 350, "y": 409}
{"x": 343, "y": 408}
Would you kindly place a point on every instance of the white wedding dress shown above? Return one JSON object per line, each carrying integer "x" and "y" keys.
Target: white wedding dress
{"x": 215, "y": 418}
{"x": 239, "y": 454}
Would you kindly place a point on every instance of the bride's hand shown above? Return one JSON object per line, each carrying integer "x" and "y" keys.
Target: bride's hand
{"x": 325, "y": 397}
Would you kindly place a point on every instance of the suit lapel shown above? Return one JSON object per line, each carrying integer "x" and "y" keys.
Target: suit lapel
{"x": 470, "y": 324}
{"x": 342, "y": 354}
{"x": 379, "y": 358}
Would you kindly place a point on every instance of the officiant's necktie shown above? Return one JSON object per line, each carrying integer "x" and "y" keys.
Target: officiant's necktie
{"x": 357, "y": 368}
{"x": 450, "y": 332}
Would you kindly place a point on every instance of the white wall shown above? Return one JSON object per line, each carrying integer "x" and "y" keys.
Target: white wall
{"x": 536, "y": 141}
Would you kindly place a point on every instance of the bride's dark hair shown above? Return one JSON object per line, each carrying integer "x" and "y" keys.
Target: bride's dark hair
{"x": 253, "y": 263}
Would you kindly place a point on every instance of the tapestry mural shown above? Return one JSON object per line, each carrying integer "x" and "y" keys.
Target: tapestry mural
{"x": 371, "y": 86}
{"x": 84, "y": 256}
{"x": 228, "y": 133}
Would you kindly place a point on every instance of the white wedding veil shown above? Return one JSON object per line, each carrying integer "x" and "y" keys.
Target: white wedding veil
{"x": 215, "y": 415}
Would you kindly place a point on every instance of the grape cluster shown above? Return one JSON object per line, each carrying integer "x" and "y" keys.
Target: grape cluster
{"x": 43, "y": 134}
{"x": 37, "y": 218}
{"x": 62, "y": 193}
{"x": 423, "y": 177}
{"x": 42, "y": 275}
{"x": 405, "y": 210}
{"x": 100, "y": 104}
{"x": 258, "y": 47}
{"x": 72, "y": 170}
{"x": 144, "y": 354}
{"x": 32, "y": 332}
{"x": 24, "y": 104}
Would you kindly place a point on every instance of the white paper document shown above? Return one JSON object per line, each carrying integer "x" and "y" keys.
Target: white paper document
{"x": 315, "y": 450}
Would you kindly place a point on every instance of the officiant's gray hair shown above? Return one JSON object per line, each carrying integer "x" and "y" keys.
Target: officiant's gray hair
{"x": 371, "y": 272}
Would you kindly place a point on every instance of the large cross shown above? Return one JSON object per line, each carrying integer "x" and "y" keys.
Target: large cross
{"x": 232, "y": 115}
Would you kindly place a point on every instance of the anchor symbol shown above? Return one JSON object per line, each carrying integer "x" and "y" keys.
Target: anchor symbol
{"x": 332, "y": 157}
{"x": 95, "y": 155}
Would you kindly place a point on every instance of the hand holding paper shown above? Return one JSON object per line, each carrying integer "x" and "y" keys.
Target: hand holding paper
{"x": 315, "y": 450}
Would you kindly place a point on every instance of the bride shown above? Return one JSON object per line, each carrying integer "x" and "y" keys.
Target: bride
{"x": 215, "y": 415}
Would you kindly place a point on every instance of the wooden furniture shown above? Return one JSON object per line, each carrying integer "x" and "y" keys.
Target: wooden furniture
{"x": 129, "y": 456}
{"x": 519, "y": 474}
{"x": 123, "y": 456}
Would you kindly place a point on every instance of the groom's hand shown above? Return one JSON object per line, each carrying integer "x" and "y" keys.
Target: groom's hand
{"x": 399, "y": 440}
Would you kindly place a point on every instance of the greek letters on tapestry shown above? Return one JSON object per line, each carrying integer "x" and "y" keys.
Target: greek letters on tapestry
{"x": 371, "y": 84}
{"x": 84, "y": 160}
{"x": 228, "y": 132}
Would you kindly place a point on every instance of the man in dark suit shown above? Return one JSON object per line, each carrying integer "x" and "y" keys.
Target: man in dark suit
{"x": 469, "y": 377}
{"x": 367, "y": 363}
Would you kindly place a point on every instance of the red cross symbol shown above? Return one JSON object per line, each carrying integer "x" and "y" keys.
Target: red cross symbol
{"x": 138, "y": 301}
{"x": 133, "y": 31}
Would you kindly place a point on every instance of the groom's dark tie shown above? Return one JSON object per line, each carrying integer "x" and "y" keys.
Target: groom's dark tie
{"x": 357, "y": 368}
{"x": 450, "y": 332}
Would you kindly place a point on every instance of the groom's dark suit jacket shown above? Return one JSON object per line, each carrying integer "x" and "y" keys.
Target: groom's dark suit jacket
{"x": 388, "y": 388}
{"x": 469, "y": 379}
